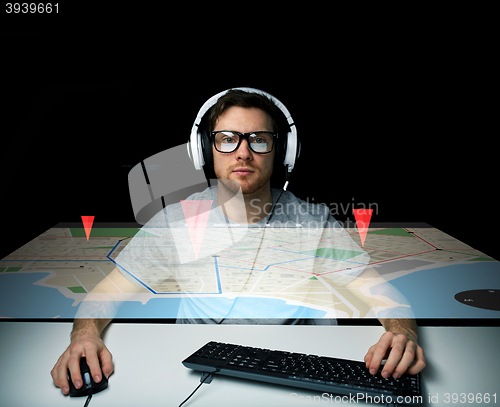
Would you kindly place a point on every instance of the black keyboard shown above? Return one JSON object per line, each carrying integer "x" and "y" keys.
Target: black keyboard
{"x": 320, "y": 373}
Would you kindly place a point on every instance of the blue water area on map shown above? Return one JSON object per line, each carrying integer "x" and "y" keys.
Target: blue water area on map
{"x": 431, "y": 292}
{"x": 247, "y": 307}
{"x": 20, "y": 298}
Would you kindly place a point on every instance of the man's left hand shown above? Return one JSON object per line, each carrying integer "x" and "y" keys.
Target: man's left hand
{"x": 402, "y": 352}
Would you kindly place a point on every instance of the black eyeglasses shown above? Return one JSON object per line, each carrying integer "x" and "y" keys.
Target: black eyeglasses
{"x": 227, "y": 141}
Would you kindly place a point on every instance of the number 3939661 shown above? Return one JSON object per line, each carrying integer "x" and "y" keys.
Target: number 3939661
{"x": 31, "y": 8}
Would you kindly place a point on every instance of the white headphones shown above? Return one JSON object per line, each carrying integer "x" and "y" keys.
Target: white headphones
{"x": 195, "y": 148}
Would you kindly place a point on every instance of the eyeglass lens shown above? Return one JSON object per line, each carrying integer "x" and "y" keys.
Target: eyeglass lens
{"x": 228, "y": 141}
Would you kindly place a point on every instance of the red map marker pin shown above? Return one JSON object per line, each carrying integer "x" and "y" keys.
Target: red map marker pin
{"x": 87, "y": 224}
{"x": 196, "y": 214}
{"x": 363, "y": 217}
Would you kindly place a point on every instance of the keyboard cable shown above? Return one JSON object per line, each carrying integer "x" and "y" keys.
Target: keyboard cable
{"x": 204, "y": 377}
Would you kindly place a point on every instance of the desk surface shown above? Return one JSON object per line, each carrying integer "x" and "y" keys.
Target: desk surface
{"x": 148, "y": 369}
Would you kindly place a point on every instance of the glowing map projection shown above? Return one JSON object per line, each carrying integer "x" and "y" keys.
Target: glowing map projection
{"x": 51, "y": 275}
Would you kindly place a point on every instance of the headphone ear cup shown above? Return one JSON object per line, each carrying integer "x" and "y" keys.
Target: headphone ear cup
{"x": 292, "y": 151}
{"x": 194, "y": 149}
{"x": 206, "y": 147}
{"x": 281, "y": 145}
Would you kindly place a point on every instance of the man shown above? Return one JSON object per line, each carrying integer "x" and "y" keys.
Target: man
{"x": 243, "y": 129}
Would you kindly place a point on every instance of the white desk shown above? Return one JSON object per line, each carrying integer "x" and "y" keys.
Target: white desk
{"x": 148, "y": 369}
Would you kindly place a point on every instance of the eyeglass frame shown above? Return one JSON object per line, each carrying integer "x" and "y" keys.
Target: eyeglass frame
{"x": 243, "y": 136}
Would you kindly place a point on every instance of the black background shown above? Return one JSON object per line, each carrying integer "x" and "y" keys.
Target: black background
{"x": 405, "y": 128}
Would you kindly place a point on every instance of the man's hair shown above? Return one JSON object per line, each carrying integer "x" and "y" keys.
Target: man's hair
{"x": 235, "y": 97}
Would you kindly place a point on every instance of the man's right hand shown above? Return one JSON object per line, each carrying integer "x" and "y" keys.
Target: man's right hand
{"x": 85, "y": 345}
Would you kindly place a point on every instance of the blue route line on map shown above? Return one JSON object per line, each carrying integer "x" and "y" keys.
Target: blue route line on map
{"x": 270, "y": 265}
{"x": 50, "y": 260}
{"x": 112, "y": 250}
{"x": 218, "y": 275}
{"x": 130, "y": 274}
{"x": 313, "y": 255}
{"x": 153, "y": 291}
{"x": 109, "y": 254}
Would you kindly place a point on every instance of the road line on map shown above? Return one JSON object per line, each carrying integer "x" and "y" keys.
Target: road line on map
{"x": 398, "y": 258}
{"x": 355, "y": 311}
{"x": 414, "y": 234}
{"x": 107, "y": 277}
{"x": 79, "y": 282}
{"x": 261, "y": 274}
{"x": 286, "y": 288}
{"x": 312, "y": 256}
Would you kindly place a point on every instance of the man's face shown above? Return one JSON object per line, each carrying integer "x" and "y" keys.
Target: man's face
{"x": 251, "y": 170}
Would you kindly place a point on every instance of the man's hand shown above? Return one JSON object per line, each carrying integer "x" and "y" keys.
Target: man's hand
{"x": 87, "y": 345}
{"x": 400, "y": 350}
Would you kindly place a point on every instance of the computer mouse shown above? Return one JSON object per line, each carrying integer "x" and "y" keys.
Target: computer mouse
{"x": 88, "y": 382}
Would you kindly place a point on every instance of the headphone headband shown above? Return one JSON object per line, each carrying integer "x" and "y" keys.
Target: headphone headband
{"x": 195, "y": 148}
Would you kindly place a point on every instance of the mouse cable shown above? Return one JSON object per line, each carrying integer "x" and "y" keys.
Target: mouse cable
{"x": 88, "y": 385}
{"x": 88, "y": 400}
{"x": 204, "y": 377}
